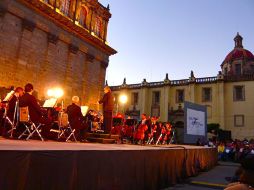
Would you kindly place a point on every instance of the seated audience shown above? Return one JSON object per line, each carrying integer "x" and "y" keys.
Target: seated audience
{"x": 246, "y": 176}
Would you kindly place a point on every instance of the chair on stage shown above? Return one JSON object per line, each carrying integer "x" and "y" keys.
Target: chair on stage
{"x": 30, "y": 128}
{"x": 65, "y": 129}
{"x": 7, "y": 120}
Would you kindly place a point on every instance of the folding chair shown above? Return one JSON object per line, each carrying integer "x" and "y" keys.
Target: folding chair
{"x": 14, "y": 122}
{"x": 65, "y": 129}
{"x": 31, "y": 128}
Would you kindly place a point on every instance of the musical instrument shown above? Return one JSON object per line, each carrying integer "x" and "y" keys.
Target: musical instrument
{"x": 139, "y": 134}
{"x": 94, "y": 120}
{"x": 63, "y": 119}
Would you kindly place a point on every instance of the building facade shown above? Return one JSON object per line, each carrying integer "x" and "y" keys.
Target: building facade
{"x": 229, "y": 96}
{"x": 55, "y": 43}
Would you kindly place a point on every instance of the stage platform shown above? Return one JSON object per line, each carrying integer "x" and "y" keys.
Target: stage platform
{"x": 67, "y": 165}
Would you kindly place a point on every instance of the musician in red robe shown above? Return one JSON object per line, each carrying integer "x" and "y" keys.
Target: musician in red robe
{"x": 108, "y": 105}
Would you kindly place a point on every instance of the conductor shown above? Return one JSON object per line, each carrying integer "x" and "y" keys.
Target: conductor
{"x": 108, "y": 105}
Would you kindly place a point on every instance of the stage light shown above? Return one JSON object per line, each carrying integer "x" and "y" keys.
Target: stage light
{"x": 123, "y": 98}
{"x": 58, "y": 92}
{"x": 55, "y": 92}
{"x": 50, "y": 93}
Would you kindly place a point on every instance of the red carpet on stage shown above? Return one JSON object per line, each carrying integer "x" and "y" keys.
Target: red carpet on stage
{"x": 58, "y": 165}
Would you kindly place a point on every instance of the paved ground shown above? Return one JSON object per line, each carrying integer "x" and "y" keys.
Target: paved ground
{"x": 213, "y": 179}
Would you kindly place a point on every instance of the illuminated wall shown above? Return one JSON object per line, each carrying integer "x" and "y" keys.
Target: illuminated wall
{"x": 55, "y": 43}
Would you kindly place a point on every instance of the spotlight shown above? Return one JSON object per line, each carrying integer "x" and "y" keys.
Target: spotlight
{"x": 50, "y": 92}
{"x": 55, "y": 92}
{"x": 58, "y": 92}
{"x": 123, "y": 98}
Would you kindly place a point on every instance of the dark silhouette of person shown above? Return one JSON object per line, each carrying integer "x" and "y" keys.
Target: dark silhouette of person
{"x": 108, "y": 105}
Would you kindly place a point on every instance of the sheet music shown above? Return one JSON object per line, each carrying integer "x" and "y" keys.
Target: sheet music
{"x": 50, "y": 103}
{"x": 84, "y": 110}
{"x": 8, "y": 96}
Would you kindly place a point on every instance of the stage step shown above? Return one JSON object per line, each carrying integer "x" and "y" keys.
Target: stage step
{"x": 101, "y": 140}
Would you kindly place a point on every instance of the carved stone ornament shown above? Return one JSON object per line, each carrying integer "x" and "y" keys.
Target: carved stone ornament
{"x": 2, "y": 11}
{"x": 90, "y": 57}
{"x": 52, "y": 38}
{"x": 73, "y": 49}
{"x": 28, "y": 25}
{"x": 104, "y": 64}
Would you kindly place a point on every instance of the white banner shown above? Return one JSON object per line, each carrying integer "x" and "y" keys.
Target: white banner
{"x": 195, "y": 122}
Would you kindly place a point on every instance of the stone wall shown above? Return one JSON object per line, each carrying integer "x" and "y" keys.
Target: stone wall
{"x": 35, "y": 49}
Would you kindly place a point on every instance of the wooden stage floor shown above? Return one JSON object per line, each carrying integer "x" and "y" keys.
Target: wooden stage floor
{"x": 11, "y": 144}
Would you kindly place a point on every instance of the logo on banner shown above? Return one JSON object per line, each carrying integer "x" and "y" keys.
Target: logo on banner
{"x": 195, "y": 122}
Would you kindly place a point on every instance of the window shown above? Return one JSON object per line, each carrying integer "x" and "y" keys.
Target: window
{"x": 64, "y": 6}
{"x": 97, "y": 28}
{"x": 206, "y": 94}
{"x": 238, "y": 69}
{"x": 239, "y": 93}
{"x": 179, "y": 96}
{"x": 135, "y": 98}
{"x": 238, "y": 120}
{"x": 156, "y": 98}
{"x": 82, "y": 16}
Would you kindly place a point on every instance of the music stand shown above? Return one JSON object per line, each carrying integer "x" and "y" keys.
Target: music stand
{"x": 84, "y": 110}
{"x": 50, "y": 103}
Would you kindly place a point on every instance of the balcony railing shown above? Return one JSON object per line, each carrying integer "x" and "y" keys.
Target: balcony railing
{"x": 204, "y": 80}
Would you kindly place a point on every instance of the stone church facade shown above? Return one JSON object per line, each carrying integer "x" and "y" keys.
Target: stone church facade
{"x": 227, "y": 96}
{"x": 55, "y": 43}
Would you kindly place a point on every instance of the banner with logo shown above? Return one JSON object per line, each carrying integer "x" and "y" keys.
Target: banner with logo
{"x": 195, "y": 123}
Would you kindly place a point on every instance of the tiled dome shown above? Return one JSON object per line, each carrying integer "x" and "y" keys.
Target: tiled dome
{"x": 238, "y": 53}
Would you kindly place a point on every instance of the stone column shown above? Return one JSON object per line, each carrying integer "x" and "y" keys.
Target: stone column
{"x": 10, "y": 38}
{"x": 221, "y": 103}
{"x": 70, "y": 82}
{"x": 23, "y": 68}
{"x": 144, "y": 106}
{"x": 164, "y": 104}
{"x": 90, "y": 81}
{"x": 192, "y": 90}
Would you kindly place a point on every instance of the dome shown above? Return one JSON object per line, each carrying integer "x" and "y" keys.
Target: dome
{"x": 238, "y": 53}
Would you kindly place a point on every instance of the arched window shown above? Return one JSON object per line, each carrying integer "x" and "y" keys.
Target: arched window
{"x": 64, "y": 6}
{"x": 72, "y": 7}
{"x": 82, "y": 16}
{"x": 97, "y": 27}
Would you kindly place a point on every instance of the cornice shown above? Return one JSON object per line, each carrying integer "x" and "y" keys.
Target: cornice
{"x": 68, "y": 25}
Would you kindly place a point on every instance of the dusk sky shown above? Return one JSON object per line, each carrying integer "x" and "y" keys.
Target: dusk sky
{"x": 155, "y": 37}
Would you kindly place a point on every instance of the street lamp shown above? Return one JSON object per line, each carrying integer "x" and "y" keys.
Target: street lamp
{"x": 123, "y": 99}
